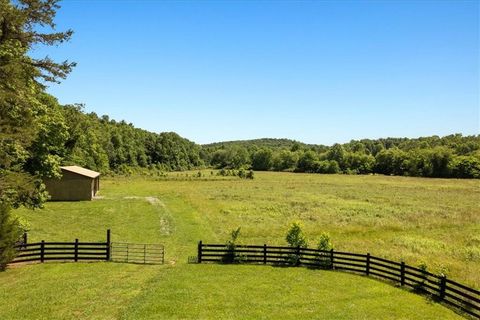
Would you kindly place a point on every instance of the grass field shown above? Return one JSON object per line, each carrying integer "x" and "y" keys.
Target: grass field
{"x": 431, "y": 220}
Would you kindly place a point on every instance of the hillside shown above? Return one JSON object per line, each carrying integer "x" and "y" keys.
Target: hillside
{"x": 261, "y": 143}
{"x": 452, "y": 156}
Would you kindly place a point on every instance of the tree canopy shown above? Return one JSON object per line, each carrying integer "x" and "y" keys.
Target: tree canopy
{"x": 453, "y": 156}
{"x": 27, "y": 115}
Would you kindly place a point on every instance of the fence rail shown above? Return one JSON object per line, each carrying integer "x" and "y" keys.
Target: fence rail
{"x": 445, "y": 290}
{"x": 138, "y": 253}
{"x": 65, "y": 251}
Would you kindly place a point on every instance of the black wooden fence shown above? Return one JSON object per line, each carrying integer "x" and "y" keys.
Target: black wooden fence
{"x": 66, "y": 251}
{"x": 445, "y": 290}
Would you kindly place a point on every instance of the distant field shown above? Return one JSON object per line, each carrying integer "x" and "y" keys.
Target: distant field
{"x": 431, "y": 220}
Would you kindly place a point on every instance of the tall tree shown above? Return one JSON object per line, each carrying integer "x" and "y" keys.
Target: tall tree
{"x": 27, "y": 115}
{"x": 24, "y": 111}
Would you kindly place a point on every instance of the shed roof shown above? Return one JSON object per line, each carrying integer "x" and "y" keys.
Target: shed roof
{"x": 81, "y": 171}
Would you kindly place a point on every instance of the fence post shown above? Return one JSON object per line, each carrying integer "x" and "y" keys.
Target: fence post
{"x": 144, "y": 253}
{"x": 76, "y": 251}
{"x": 200, "y": 251}
{"x": 265, "y": 254}
{"x": 298, "y": 256}
{"x": 42, "y": 251}
{"x": 107, "y": 252}
{"x": 402, "y": 273}
{"x": 443, "y": 285}
{"x": 331, "y": 259}
{"x": 367, "y": 270}
{"x": 25, "y": 238}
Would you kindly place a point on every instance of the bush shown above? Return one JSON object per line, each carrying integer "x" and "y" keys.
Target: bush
{"x": 241, "y": 173}
{"x": 326, "y": 166}
{"x": 324, "y": 244}
{"x": 124, "y": 170}
{"x": 10, "y": 233}
{"x": 420, "y": 286}
{"x": 465, "y": 167}
{"x": 295, "y": 239}
{"x": 285, "y": 160}
{"x": 231, "y": 255}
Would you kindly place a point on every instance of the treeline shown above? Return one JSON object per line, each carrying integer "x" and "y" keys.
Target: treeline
{"x": 68, "y": 136}
{"x": 453, "y": 156}
{"x": 71, "y": 137}
{"x": 102, "y": 144}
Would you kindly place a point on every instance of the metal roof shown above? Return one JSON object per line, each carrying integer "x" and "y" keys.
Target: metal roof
{"x": 81, "y": 171}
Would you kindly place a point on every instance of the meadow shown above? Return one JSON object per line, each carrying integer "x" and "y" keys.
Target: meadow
{"x": 436, "y": 221}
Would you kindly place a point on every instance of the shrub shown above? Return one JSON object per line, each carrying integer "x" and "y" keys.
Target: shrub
{"x": 124, "y": 170}
{"x": 324, "y": 244}
{"x": 295, "y": 239}
{"x": 295, "y": 236}
{"x": 241, "y": 173}
{"x": 326, "y": 166}
{"x": 420, "y": 286}
{"x": 10, "y": 233}
{"x": 231, "y": 256}
{"x": 465, "y": 167}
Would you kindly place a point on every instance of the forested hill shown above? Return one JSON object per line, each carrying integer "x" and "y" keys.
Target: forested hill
{"x": 103, "y": 144}
{"x": 261, "y": 143}
{"x": 450, "y": 156}
{"x": 66, "y": 135}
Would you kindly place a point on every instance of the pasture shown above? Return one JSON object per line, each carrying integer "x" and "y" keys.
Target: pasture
{"x": 436, "y": 221}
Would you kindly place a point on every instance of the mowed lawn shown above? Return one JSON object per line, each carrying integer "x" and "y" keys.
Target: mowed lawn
{"x": 431, "y": 220}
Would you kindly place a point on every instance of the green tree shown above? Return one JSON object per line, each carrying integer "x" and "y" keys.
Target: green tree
{"x": 465, "y": 167}
{"x": 285, "y": 160}
{"x": 262, "y": 159}
{"x": 359, "y": 162}
{"x": 391, "y": 161}
{"x": 337, "y": 153}
{"x": 240, "y": 157}
{"x": 326, "y": 166}
{"x": 295, "y": 236}
{"x": 324, "y": 244}
{"x": 306, "y": 162}
{"x": 295, "y": 239}
{"x": 440, "y": 158}
{"x": 27, "y": 115}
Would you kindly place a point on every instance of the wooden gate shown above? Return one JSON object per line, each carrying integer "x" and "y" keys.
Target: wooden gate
{"x": 137, "y": 253}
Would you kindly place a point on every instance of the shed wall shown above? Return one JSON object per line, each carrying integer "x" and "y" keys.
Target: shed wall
{"x": 71, "y": 187}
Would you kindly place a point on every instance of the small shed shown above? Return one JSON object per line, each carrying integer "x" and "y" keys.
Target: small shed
{"x": 76, "y": 184}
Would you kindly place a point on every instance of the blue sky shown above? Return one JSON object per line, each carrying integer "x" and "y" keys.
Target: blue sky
{"x": 315, "y": 71}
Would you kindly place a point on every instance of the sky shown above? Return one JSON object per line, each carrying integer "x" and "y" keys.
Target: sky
{"x": 315, "y": 71}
